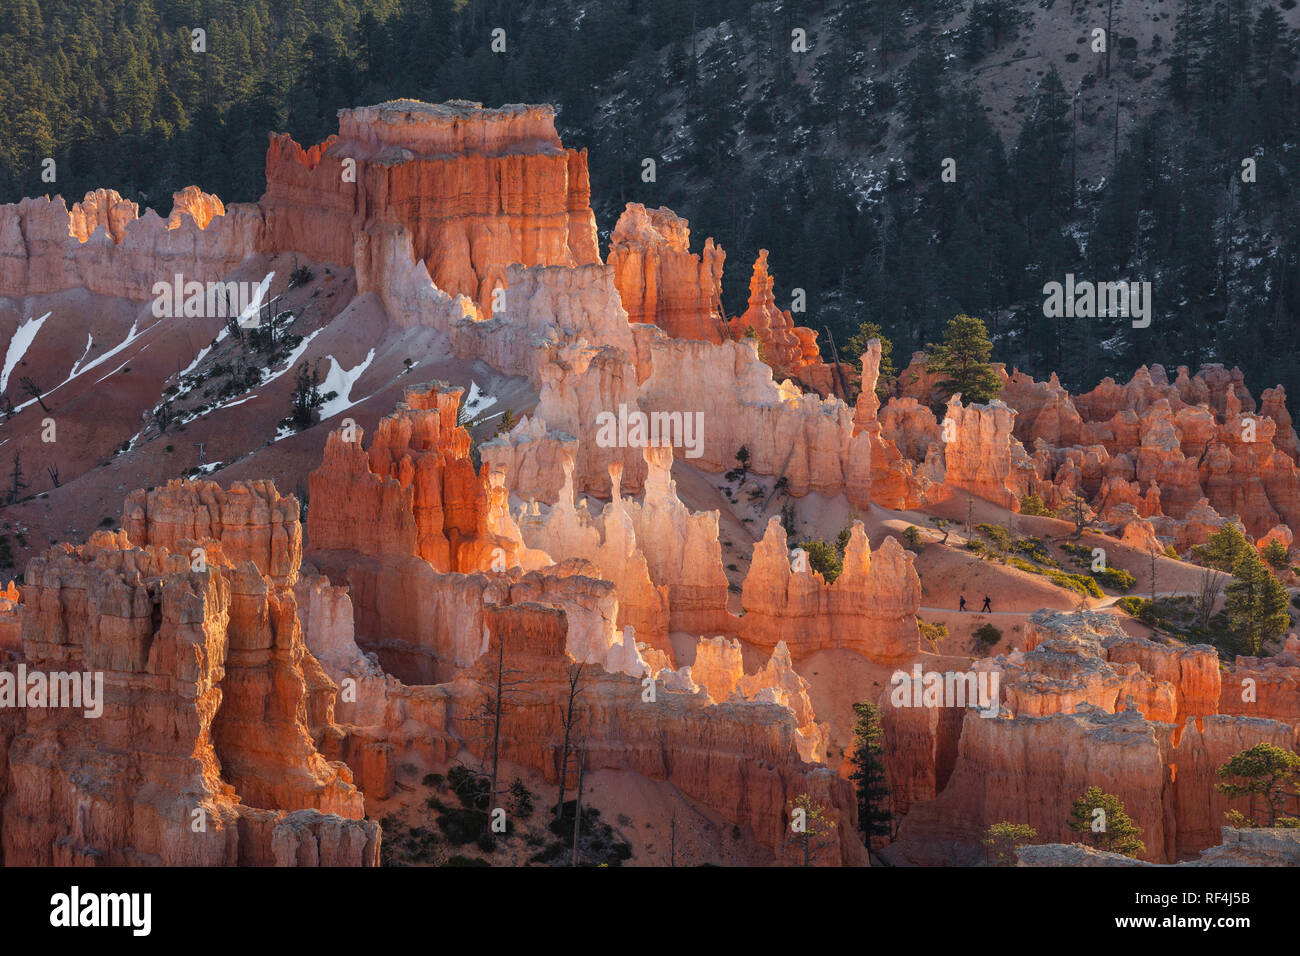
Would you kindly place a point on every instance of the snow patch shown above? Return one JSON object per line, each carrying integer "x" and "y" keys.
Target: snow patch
{"x": 476, "y": 401}
{"x": 131, "y": 336}
{"x": 341, "y": 381}
{"x": 295, "y": 355}
{"x": 122, "y": 366}
{"x": 18, "y": 346}
{"x": 90, "y": 343}
{"x": 255, "y": 305}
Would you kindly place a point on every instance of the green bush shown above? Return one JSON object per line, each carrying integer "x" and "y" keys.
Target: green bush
{"x": 463, "y": 826}
{"x": 1024, "y": 565}
{"x": 1031, "y": 504}
{"x": 1035, "y": 550}
{"x": 1117, "y": 579}
{"x": 998, "y": 536}
{"x": 1133, "y": 605}
{"x": 822, "y": 558}
{"x": 521, "y": 799}
{"x": 471, "y": 789}
{"x": 552, "y": 853}
{"x": 933, "y": 633}
{"x": 987, "y": 635}
{"x": 1140, "y": 608}
{"x": 1081, "y": 583}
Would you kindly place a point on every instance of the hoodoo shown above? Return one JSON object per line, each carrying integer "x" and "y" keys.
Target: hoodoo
{"x": 563, "y": 525}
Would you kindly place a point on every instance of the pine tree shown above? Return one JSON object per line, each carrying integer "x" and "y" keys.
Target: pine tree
{"x": 1267, "y": 771}
{"x": 1256, "y": 603}
{"x": 1111, "y": 829}
{"x": 811, "y": 830}
{"x": 1223, "y": 549}
{"x": 868, "y": 775}
{"x": 1002, "y": 840}
{"x": 1189, "y": 47}
{"x": 923, "y": 102}
{"x": 16, "y": 483}
{"x": 1275, "y": 555}
{"x": 306, "y": 394}
{"x": 991, "y": 21}
{"x": 963, "y": 360}
{"x": 886, "y": 21}
{"x": 1039, "y": 159}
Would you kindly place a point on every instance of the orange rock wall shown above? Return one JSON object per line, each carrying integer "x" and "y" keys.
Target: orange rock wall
{"x": 870, "y": 608}
{"x": 205, "y": 681}
{"x": 475, "y": 190}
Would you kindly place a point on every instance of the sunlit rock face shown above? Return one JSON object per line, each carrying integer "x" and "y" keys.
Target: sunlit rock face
{"x": 473, "y": 190}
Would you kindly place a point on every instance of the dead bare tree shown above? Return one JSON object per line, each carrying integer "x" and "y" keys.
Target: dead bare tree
{"x": 569, "y": 719}
{"x": 1209, "y": 587}
{"x": 232, "y": 318}
{"x": 504, "y": 683}
{"x": 162, "y": 416}
{"x": 493, "y": 711}
{"x": 1153, "y": 553}
{"x": 34, "y": 390}
{"x": 577, "y": 808}
{"x": 1078, "y": 511}
{"x": 17, "y": 484}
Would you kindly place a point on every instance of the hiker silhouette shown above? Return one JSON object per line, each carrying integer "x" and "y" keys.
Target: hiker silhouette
{"x": 987, "y": 606}
{"x": 962, "y": 605}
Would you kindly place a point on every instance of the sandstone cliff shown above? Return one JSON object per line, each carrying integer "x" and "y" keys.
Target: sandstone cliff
{"x": 201, "y": 753}
{"x": 1086, "y": 705}
{"x": 790, "y": 349}
{"x": 474, "y": 189}
{"x": 661, "y": 281}
{"x": 870, "y": 608}
{"x": 414, "y": 493}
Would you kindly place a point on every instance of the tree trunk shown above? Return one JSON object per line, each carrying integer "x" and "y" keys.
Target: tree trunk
{"x": 577, "y": 807}
{"x": 496, "y": 719}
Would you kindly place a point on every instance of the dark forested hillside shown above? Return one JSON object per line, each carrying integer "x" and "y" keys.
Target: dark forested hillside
{"x": 1117, "y": 164}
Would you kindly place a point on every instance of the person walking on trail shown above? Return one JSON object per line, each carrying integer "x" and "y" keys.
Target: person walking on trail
{"x": 962, "y": 605}
{"x": 987, "y": 606}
